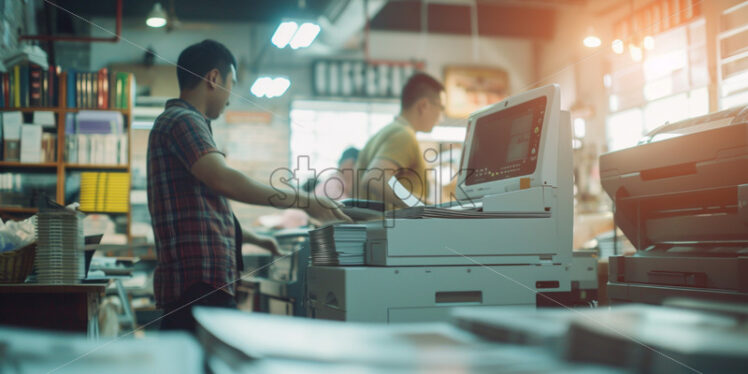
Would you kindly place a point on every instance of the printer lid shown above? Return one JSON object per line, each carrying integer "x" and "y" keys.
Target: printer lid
{"x": 685, "y": 184}
{"x": 730, "y": 117}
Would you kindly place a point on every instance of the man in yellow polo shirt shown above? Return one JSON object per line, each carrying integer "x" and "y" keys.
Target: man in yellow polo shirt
{"x": 394, "y": 150}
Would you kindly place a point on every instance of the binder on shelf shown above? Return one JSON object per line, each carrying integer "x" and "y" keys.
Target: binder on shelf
{"x": 49, "y": 147}
{"x": 52, "y": 90}
{"x": 24, "y": 71}
{"x": 94, "y": 90}
{"x": 31, "y": 143}
{"x": 79, "y": 103}
{"x": 6, "y": 91}
{"x": 44, "y": 89}
{"x": 124, "y": 149}
{"x": 17, "y": 86}
{"x": 35, "y": 85}
{"x": 84, "y": 149}
{"x": 3, "y": 93}
{"x": 103, "y": 89}
{"x": 112, "y": 78}
{"x": 70, "y": 87}
{"x": 71, "y": 139}
{"x": 12, "y": 122}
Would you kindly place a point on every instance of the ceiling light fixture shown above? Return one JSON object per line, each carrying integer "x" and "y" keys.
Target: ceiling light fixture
{"x": 618, "y": 47}
{"x": 156, "y": 17}
{"x": 284, "y": 33}
{"x": 305, "y": 35}
{"x": 289, "y": 33}
{"x": 591, "y": 40}
{"x": 270, "y": 87}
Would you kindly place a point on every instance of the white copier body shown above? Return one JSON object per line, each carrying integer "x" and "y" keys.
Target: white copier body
{"x": 417, "y": 269}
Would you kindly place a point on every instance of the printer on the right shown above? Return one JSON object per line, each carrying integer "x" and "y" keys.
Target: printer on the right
{"x": 681, "y": 197}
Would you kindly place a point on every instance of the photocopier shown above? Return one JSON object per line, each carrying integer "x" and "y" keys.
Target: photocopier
{"x": 681, "y": 198}
{"x": 507, "y": 241}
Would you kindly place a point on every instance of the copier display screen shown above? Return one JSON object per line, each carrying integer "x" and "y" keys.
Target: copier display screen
{"x": 506, "y": 143}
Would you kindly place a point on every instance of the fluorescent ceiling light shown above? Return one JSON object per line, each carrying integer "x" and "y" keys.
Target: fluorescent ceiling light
{"x": 289, "y": 33}
{"x": 305, "y": 35}
{"x": 156, "y": 17}
{"x": 270, "y": 87}
{"x": 592, "y": 41}
{"x": 284, "y": 33}
{"x": 618, "y": 47}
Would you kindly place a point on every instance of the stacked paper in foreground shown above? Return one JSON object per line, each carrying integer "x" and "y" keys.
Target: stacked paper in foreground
{"x": 338, "y": 245}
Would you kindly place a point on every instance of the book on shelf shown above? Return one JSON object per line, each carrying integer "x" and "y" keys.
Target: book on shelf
{"x": 11, "y": 124}
{"x": 102, "y": 89}
{"x": 31, "y": 143}
{"x": 96, "y": 137}
{"x": 105, "y": 192}
{"x": 28, "y": 85}
{"x": 28, "y": 142}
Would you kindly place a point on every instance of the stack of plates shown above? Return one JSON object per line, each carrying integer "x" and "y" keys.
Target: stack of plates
{"x": 59, "y": 250}
{"x": 338, "y": 245}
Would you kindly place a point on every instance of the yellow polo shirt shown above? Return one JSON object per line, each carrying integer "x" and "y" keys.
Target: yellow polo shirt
{"x": 397, "y": 143}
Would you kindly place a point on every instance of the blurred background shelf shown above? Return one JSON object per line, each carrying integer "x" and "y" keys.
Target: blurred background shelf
{"x": 96, "y": 166}
{"x": 22, "y": 165}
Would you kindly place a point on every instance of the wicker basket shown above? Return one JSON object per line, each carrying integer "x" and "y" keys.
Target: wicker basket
{"x": 17, "y": 264}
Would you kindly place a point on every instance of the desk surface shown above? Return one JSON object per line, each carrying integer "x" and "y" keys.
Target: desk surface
{"x": 52, "y": 288}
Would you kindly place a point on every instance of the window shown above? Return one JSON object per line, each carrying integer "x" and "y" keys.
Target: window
{"x": 732, "y": 57}
{"x": 322, "y": 130}
{"x": 669, "y": 85}
{"x": 624, "y": 129}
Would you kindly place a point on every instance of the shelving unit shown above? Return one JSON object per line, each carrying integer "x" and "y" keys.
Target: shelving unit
{"x": 60, "y": 166}
{"x": 21, "y": 165}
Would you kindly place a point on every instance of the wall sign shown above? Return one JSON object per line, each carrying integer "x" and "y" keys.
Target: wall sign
{"x": 469, "y": 88}
{"x": 358, "y": 78}
{"x": 656, "y": 17}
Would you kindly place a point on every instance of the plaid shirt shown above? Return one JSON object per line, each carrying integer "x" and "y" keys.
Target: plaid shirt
{"x": 193, "y": 226}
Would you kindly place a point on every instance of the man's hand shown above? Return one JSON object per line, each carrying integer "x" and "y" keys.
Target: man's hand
{"x": 322, "y": 209}
{"x": 270, "y": 244}
{"x": 265, "y": 242}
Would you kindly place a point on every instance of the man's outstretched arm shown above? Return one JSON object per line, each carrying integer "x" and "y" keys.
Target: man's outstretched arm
{"x": 212, "y": 170}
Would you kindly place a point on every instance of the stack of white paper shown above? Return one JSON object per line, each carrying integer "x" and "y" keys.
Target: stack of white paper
{"x": 338, "y": 245}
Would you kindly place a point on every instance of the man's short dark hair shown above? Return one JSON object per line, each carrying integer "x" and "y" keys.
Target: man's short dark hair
{"x": 200, "y": 58}
{"x": 349, "y": 154}
{"x": 419, "y": 85}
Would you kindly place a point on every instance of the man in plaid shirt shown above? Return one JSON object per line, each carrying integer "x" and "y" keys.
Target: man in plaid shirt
{"x": 189, "y": 185}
